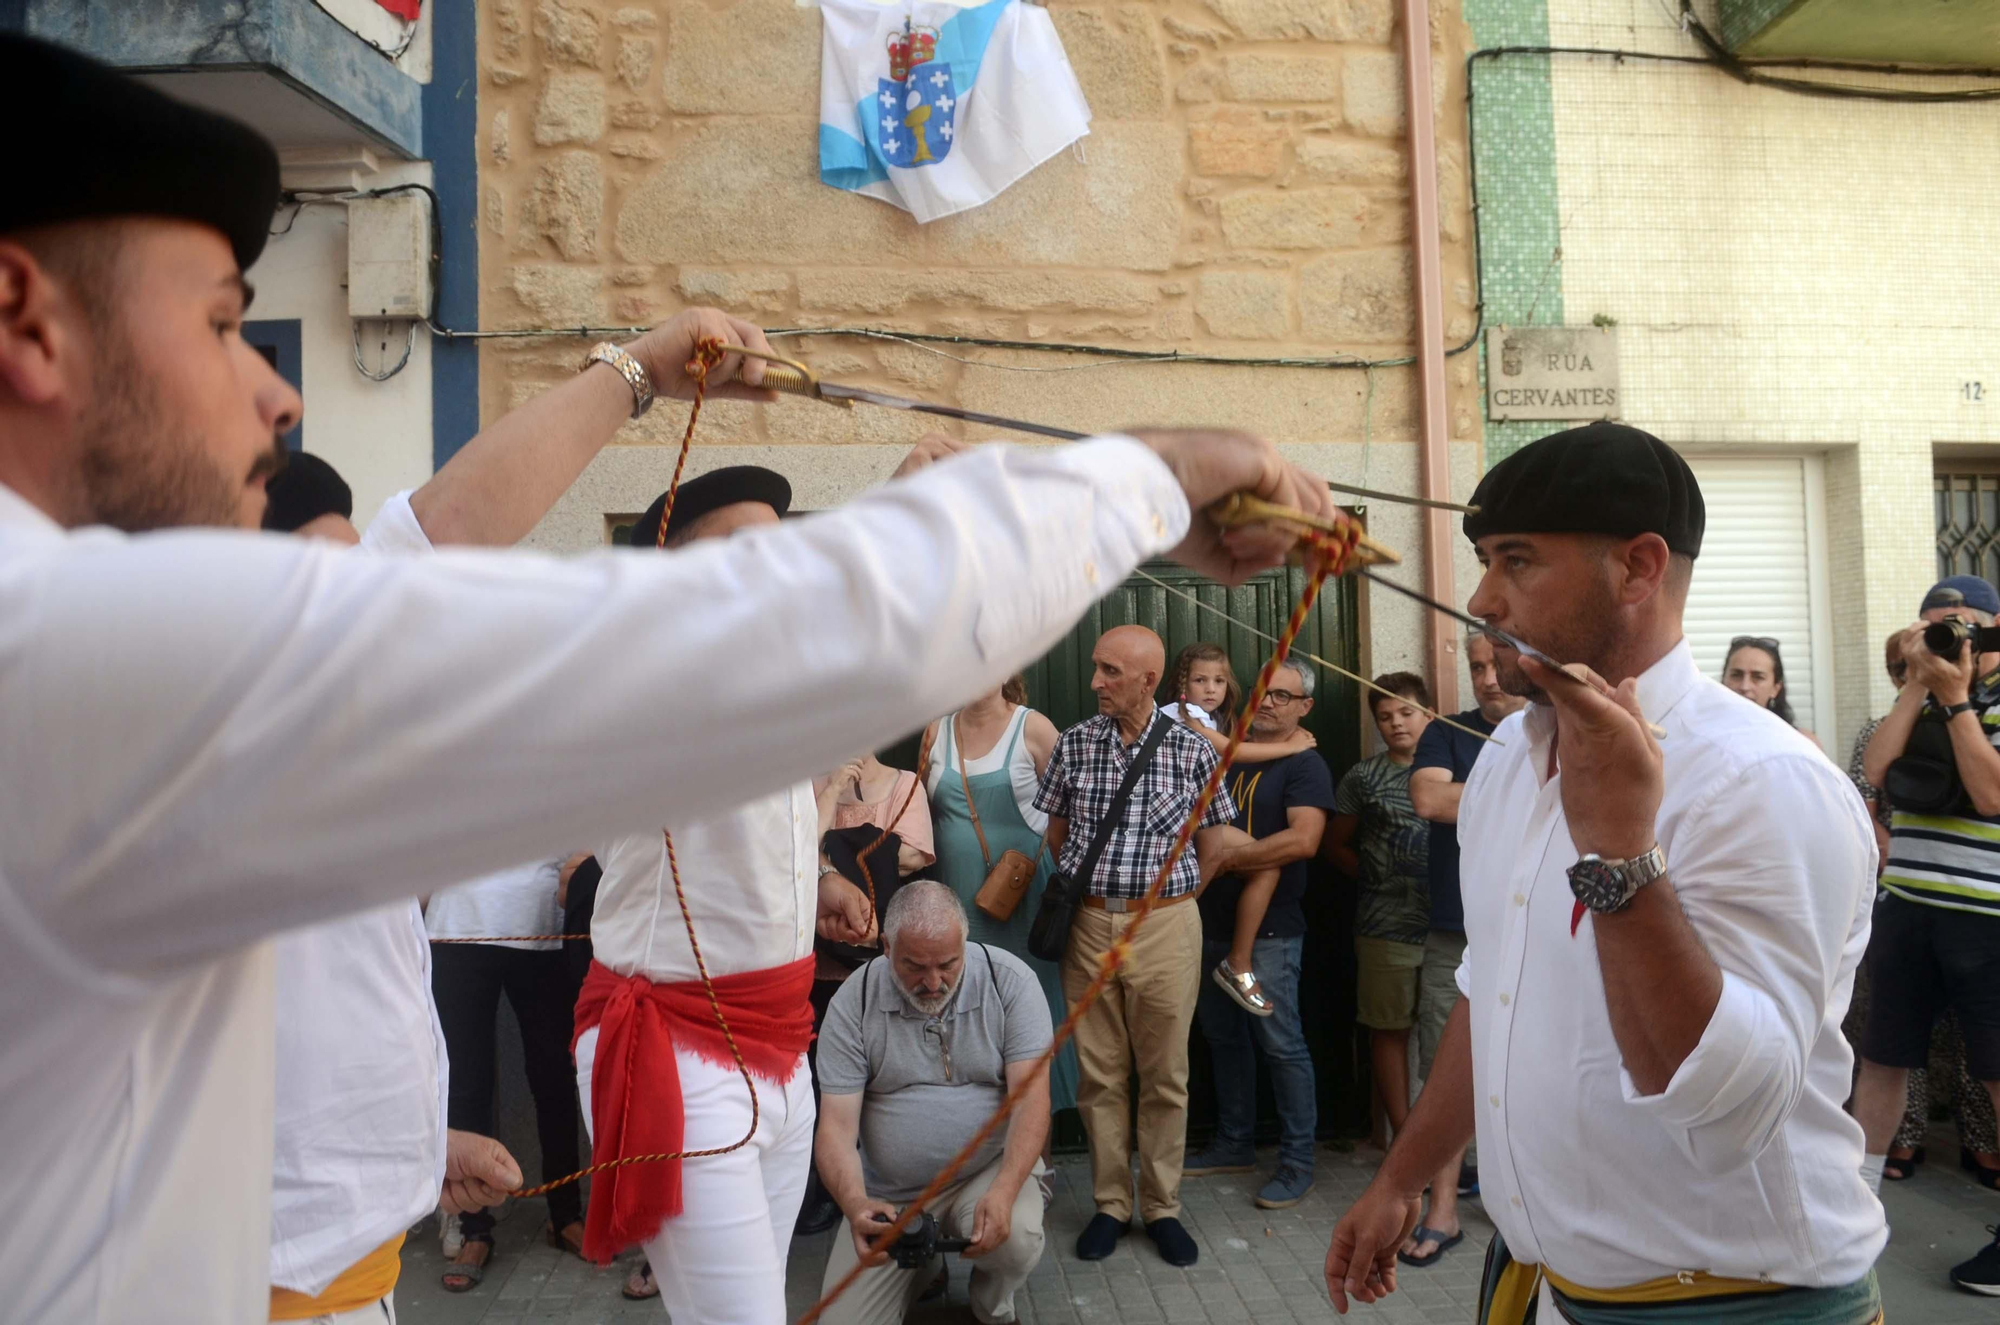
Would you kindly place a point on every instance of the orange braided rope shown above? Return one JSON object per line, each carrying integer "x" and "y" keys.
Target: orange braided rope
{"x": 1332, "y": 554}
{"x": 707, "y": 354}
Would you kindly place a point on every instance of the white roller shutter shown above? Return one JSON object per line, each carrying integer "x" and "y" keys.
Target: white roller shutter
{"x": 1757, "y": 574}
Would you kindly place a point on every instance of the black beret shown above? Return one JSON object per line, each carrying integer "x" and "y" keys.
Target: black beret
{"x": 711, "y": 492}
{"x": 304, "y": 490}
{"x": 90, "y": 142}
{"x": 1602, "y": 478}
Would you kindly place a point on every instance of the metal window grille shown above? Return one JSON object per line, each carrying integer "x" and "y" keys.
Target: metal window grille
{"x": 1968, "y": 524}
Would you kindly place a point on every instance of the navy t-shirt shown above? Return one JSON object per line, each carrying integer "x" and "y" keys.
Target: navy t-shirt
{"x": 1263, "y": 793}
{"x": 1451, "y": 749}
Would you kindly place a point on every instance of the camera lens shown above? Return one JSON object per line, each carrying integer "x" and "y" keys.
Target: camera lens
{"x": 1944, "y": 637}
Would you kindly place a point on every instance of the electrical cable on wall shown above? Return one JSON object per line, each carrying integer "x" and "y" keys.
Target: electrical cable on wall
{"x": 1714, "y": 54}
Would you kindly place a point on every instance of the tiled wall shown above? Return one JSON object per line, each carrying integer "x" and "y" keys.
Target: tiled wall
{"x": 1786, "y": 273}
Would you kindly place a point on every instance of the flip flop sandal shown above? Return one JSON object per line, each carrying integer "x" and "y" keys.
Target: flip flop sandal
{"x": 643, "y": 1274}
{"x": 471, "y": 1275}
{"x": 1423, "y": 1235}
{"x": 1244, "y": 988}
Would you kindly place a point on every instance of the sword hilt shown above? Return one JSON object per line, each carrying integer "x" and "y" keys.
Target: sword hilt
{"x": 788, "y": 377}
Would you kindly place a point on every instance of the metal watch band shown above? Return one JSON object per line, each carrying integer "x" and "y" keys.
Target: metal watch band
{"x": 628, "y": 368}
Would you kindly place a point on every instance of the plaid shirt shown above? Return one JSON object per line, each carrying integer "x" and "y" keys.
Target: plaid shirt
{"x": 1082, "y": 778}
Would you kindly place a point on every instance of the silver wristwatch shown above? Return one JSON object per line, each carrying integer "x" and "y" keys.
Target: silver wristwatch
{"x": 1606, "y": 886}
{"x": 630, "y": 369}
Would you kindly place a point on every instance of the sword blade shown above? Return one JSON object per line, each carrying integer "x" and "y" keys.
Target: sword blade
{"x": 840, "y": 391}
{"x": 1527, "y": 650}
{"x": 835, "y": 391}
{"x": 1491, "y": 632}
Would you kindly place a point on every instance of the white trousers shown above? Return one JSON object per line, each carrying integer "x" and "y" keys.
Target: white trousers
{"x": 722, "y": 1262}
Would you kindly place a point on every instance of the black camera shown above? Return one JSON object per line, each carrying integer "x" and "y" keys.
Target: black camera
{"x": 1944, "y": 637}
{"x": 921, "y": 1241}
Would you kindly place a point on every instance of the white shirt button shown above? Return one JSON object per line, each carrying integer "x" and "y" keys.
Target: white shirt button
{"x": 1520, "y": 899}
{"x": 1159, "y": 526}
{"x": 1494, "y": 1100}
{"x": 1090, "y": 571}
{"x": 1504, "y": 1000}
{"x": 1516, "y": 1201}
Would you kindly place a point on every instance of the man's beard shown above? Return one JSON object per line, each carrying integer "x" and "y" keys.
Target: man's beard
{"x": 931, "y": 1004}
{"x": 1263, "y": 728}
{"x": 141, "y": 470}
{"x": 1587, "y": 635}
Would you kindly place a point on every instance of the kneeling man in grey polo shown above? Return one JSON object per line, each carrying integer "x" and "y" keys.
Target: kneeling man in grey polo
{"x": 917, "y": 1051}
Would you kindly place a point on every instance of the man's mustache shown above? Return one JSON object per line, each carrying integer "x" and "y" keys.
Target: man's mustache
{"x": 272, "y": 463}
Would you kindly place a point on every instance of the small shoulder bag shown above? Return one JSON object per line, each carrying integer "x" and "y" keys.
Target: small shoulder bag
{"x": 1007, "y": 878}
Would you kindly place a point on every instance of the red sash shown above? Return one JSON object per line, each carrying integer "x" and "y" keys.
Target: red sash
{"x": 635, "y": 1084}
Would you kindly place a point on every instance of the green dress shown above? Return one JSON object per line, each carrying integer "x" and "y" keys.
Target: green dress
{"x": 962, "y": 868}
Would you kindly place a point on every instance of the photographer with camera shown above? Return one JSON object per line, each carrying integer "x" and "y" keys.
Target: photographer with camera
{"x": 1937, "y": 931}
{"x": 918, "y": 1049}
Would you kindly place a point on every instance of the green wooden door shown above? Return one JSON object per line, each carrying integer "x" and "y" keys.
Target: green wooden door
{"x": 1059, "y": 686}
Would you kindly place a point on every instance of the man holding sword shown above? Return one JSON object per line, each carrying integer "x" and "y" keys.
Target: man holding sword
{"x": 1661, "y": 933}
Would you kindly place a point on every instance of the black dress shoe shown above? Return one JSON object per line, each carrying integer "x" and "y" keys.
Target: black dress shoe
{"x": 1100, "y": 1237}
{"x": 818, "y": 1214}
{"x": 1176, "y": 1244}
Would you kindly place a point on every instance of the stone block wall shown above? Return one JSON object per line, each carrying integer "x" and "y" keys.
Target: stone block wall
{"x": 1244, "y": 191}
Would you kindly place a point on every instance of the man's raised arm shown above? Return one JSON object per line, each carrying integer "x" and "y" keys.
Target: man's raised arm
{"x": 358, "y": 728}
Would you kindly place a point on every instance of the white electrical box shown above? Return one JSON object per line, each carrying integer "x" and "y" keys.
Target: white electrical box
{"x": 389, "y": 256}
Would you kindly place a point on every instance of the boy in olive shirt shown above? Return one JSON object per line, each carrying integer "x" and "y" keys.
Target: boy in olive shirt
{"x": 1378, "y": 840}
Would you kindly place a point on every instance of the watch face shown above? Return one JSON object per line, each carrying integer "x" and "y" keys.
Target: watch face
{"x": 1599, "y": 886}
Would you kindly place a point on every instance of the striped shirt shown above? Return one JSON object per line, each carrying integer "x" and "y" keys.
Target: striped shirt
{"x": 1950, "y": 860}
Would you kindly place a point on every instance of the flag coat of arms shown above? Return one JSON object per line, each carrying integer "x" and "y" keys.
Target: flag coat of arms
{"x": 937, "y": 107}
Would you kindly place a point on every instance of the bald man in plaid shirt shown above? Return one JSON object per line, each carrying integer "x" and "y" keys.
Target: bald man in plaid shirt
{"x": 1143, "y": 1019}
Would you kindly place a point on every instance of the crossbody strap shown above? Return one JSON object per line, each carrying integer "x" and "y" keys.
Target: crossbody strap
{"x": 958, "y": 748}
{"x": 1154, "y": 736}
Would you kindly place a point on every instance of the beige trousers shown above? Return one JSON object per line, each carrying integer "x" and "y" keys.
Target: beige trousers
{"x": 885, "y": 1293}
{"x": 1141, "y": 1023}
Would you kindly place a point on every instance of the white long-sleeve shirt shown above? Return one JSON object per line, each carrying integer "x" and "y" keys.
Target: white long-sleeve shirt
{"x": 1745, "y": 1165}
{"x": 211, "y": 737}
{"x": 362, "y": 1076}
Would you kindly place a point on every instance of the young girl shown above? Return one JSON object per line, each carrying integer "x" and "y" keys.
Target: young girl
{"x": 1206, "y": 690}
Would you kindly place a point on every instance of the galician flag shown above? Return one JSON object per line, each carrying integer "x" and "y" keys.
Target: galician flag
{"x": 937, "y": 107}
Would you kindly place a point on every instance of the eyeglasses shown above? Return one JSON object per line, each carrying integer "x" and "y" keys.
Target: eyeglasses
{"x": 1281, "y": 697}
{"x": 1764, "y": 642}
{"x": 941, "y": 1032}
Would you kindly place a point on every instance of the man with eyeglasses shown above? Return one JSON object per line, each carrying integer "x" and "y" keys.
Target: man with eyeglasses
{"x": 1281, "y": 809}
{"x": 918, "y": 1049}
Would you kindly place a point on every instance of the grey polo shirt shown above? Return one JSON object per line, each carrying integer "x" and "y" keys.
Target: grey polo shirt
{"x": 916, "y": 1112}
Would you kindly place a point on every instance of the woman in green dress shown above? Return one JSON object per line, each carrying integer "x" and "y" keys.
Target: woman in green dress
{"x": 1003, "y": 746}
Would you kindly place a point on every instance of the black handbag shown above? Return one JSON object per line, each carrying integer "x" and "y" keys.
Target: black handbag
{"x": 1924, "y": 779}
{"x": 1048, "y": 936}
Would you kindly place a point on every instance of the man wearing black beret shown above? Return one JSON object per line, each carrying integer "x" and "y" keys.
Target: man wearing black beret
{"x": 717, "y": 1232}
{"x": 215, "y": 737}
{"x": 1661, "y": 942}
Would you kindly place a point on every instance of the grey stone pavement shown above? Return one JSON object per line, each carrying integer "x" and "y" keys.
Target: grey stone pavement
{"x": 1255, "y": 1264}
